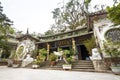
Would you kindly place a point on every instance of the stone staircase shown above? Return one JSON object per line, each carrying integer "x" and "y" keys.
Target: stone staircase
{"x": 83, "y": 65}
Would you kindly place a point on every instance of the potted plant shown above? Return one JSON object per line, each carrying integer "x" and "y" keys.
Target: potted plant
{"x": 113, "y": 49}
{"x": 68, "y": 66}
{"x": 67, "y": 56}
{"x": 36, "y": 63}
{"x": 53, "y": 58}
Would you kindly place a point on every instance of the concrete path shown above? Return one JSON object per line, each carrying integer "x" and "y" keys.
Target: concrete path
{"x": 40, "y": 74}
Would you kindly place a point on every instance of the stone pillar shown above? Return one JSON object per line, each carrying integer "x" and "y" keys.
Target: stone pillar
{"x": 73, "y": 45}
{"x": 48, "y": 49}
{"x": 58, "y": 49}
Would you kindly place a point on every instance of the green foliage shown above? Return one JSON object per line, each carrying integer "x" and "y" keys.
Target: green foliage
{"x": 70, "y": 15}
{"x": 43, "y": 52}
{"x": 69, "y": 60}
{"x": 6, "y": 49}
{"x": 37, "y": 61}
{"x": 90, "y": 44}
{"x": 87, "y": 3}
{"x": 114, "y": 14}
{"x": 112, "y": 48}
{"x": 11, "y": 30}
{"x": 5, "y": 27}
{"x": 34, "y": 53}
{"x": 4, "y": 22}
{"x": 49, "y": 32}
{"x": 68, "y": 55}
{"x": 53, "y": 57}
{"x": 59, "y": 49}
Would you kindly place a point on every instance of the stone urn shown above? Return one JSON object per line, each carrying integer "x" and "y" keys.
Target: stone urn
{"x": 116, "y": 69}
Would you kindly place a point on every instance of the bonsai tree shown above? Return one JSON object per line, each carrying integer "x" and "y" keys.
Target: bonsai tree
{"x": 68, "y": 56}
{"x": 43, "y": 53}
{"x": 68, "y": 59}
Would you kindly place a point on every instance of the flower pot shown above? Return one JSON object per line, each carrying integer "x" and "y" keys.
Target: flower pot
{"x": 67, "y": 66}
{"x": 115, "y": 69}
{"x": 52, "y": 63}
{"x": 35, "y": 66}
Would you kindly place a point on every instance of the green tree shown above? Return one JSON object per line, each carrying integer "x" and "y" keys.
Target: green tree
{"x": 114, "y": 13}
{"x": 5, "y": 24}
{"x": 90, "y": 44}
{"x": 71, "y": 15}
{"x": 51, "y": 31}
{"x": 5, "y": 29}
{"x": 87, "y": 2}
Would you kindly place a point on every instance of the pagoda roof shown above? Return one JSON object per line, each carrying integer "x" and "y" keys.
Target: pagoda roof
{"x": 62, "y": 33}
{"x": 68, "y": 37}
{"x": 27, "y": 36}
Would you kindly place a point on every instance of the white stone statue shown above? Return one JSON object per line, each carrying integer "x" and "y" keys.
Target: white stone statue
{"x": 27, "y": 60}
{"x": 59, "y": 54}
{"x": 95, "y": 54}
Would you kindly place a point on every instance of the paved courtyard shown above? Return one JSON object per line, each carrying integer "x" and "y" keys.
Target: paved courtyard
{"x": 40, "y": 74}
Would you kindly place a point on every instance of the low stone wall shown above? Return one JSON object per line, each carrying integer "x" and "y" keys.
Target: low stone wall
{"x": 109, "y": 61}
{"x": 3, "y": 63}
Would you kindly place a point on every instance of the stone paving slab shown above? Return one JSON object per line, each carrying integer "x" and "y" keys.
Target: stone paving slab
{"x": 41, "y": 74}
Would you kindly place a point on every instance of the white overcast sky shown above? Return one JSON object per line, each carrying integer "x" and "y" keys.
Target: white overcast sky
{"x": 35, "y": 14}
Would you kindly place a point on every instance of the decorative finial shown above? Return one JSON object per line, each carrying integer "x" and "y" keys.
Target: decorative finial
{"x": 27, "y": 31}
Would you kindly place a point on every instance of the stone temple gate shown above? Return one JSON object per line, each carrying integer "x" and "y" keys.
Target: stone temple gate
{"x": 71, "y": 40}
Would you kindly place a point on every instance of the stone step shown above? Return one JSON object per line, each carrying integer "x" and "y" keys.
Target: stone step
{"x": 55, "y": 66}
{"x": 82, "y": 64}
{"x": 83, "y": 61}
{"x": 58, "y": 64}
{"x": 84, "y": 67}
{"x": 86, "y": 70}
